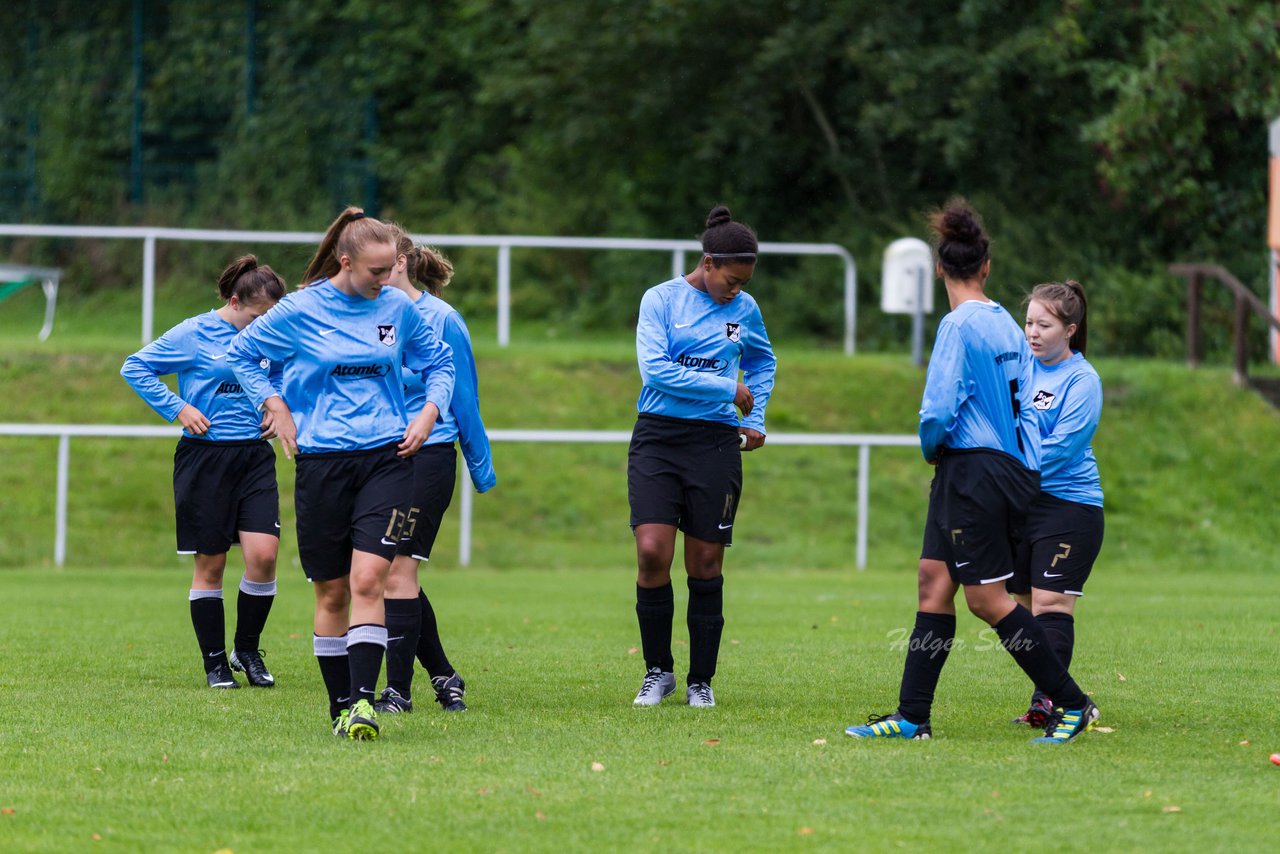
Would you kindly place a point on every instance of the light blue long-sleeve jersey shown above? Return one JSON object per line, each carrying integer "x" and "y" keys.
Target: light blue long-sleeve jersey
{"x": 196, "y": 350}
{"x": 690, "y": 348}
{"x": 1067, "y": 399}
{"x": 342, "y": 356}
{"x": 977, "y": 392}
{"x": 461, "y": 421}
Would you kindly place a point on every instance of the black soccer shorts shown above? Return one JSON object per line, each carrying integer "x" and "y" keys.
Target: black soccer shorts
{"x": 686, "y": 473}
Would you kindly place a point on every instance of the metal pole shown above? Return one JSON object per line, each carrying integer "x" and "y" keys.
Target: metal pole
{"x": 504, "y": 295}
{"x": 850, "y": 307}
{"x": 464, "y": 529}
{"x": 148, "y": 287}
{"x": 250, "y": 55}
{"x": 1275, "y": 305}
{"x": 677, "y": 263}
{"x": 60, "y": 511}
{"x": 1239, "y": 332}
{"x": 1193, "y": 319}
{"x": 917, "y": 322}
{"x": 864, "y": 466}
{"x": 135, "y": 136}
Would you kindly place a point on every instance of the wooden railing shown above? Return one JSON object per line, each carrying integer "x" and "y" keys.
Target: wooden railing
{"x": 1246, "y": 301}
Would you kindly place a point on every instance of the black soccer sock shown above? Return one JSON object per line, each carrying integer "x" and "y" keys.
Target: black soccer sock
{"x": 331, "y": 655}
{"x": 366, "y": 644}
{"x": 655, "y": 609}
{"x": 1026, "y": 641}
{"x": 706, "y": 621}
{"x": 1061, "y": 630}
{"x": 430, "y": 650}
{"x": 207, "y": 619}
{"x": 253, "y": 604}
{"x": 927, "y": 652}
{"x": 404, "y": 624}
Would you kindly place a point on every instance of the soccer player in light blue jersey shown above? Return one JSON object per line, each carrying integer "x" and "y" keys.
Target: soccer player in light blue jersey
{"x": 1064, "y": 529}
{"x": 977, "y": 427}
{"x": 684, "y": 468}
{"x": 411, "y": 620}
{"x": 342, "y": 340}
{"x": 224, "y": 469}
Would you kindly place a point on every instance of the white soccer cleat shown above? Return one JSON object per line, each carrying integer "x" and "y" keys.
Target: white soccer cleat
{"x": 699, "y": 696}
{"x": 656, "y": 685}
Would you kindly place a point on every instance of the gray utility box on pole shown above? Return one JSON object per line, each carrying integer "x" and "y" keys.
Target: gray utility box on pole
{"x": 907, "y": 283}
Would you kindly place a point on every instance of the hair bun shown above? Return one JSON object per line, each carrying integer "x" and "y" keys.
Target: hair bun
{"x": 961, "y": 225}
{"x": 719, "y": 216}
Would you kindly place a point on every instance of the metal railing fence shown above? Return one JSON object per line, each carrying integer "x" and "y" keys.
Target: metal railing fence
{"x": 864, "y": 442}
{"x": 503, "y": 243}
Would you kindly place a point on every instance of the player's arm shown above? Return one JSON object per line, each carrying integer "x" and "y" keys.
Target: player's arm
{"x": 432, "y": 359}
{"x": 659, "y": 371}
{"x": 272, "y": 337}
{"x": 945, "y": 389}
{"x": 759, "y": 367}
{"x": 1077, "y": 422}
{"x": 172, "y": 352}
{"x": 465, "y": 406}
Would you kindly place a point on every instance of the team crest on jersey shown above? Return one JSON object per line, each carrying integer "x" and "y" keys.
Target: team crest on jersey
{"x": 733, "y": 331}
{"x": 1043, "y": 399}
{"x": 265, "y": 364}
{"x": 387, "y": 334}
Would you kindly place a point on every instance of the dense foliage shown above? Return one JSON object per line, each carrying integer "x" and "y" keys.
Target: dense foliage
{"x": 1102, "y": 140}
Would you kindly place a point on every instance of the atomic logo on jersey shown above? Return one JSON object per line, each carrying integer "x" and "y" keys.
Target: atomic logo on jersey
{"x": 1043, "y": 399}
{"x": 359, "y": 372}
{"x": 387, "y": 334}
{"x": 733, "y": 331}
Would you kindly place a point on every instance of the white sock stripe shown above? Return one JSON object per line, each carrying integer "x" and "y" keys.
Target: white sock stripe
{"x": 329, "y": 647}
{"x": 257, "y": 588}
{"x": 367, "y": 634}
{"x": 203, "y": 594}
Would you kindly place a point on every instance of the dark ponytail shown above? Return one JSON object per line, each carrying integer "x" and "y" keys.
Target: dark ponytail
{"x": 347, "y": 235}
{"x": 1066, "y": 301}
{"x": 959, "y": 240}
{"x": 726, "y": 241}
{"x": 248, "y": 281}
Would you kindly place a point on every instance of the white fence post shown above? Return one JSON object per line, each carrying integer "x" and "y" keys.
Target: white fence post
{"x": 464, "y": 523}
{"x": 864, "y": 477}
{"x": 60, "y": 512}
{"x": 677, "y": 263}
{"x": 504, "y": 295}
{"x": 148, "y": 287}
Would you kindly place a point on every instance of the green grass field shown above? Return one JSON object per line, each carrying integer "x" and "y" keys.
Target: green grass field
{"x": 110, "y": 740}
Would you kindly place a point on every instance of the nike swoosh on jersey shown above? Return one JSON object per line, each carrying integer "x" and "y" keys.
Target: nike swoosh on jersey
{"x": 1053, "y": 575}
{"x": 726, "y": 527}
{"x": 327, "y": 331}
{"x": 387, "y": 542}
{"x": 966, "y": 563}
{"x": 223, "y": 356}
{"x": 683, "y": 325}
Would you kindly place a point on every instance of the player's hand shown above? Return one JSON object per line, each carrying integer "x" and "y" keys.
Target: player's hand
{"x": 282, "y": 422}
{"x": 744, "y": 400}
{"x": 268, "y": 426}
{"x": 193, "y": 420}
{"x": 754, "y": 439}
{"x": 419, "y": 430}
